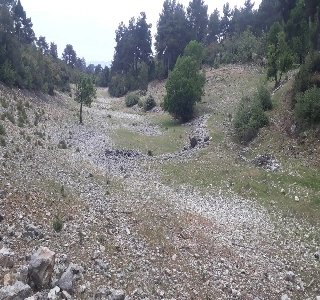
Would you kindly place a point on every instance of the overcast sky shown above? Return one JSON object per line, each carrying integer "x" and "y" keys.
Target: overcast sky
{"x": 90, "y": 26}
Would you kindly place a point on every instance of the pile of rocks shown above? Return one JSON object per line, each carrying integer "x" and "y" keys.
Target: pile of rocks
{"x": 199, "y": 136}
{"x": 37, "y": 280}
{"x": 267, "y": 162}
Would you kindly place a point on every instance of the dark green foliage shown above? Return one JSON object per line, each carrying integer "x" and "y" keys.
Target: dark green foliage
{"x": 249, "y": 118}
{"x": 184, "y": 88}
{"x": 280, "y": 58}
{"x": 132, "y": 99}
{"x": 116, "y": 86}
{"x": 9, "y": 116}
{"x": 7, "y": 74}
{"x": 173, "y": 33}
{"x": 4, "y": 103}
{"x": 143, "y": 77}
{"x": 250, "y": 115}
{"x": 264, "y": 97}
{"x": 69, "y": 55}
{"x": 149, "y": 104}
{"x": 197, "y": 14}
{"x": 195, "y": 50}
{"x": 308, "y": 75}
{"x": 102, "y": 77}
{"x": 85, "y": 92}
{"x": 57, "y": 223}
{"x": 307, "y": 108}
{"x": 2, "y": 130}
{"x": 2, "y": 142}
{"x": 150, "y": 153}
{"x": 213, "y": 27}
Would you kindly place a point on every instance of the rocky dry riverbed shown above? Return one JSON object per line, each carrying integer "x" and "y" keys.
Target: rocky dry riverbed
{"x": 81, "y": 218}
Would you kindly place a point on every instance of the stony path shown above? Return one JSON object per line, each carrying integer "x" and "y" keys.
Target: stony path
{"x": 130, "y": 230}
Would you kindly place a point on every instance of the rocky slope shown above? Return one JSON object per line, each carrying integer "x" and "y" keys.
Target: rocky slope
{"x": 83, "y": 219}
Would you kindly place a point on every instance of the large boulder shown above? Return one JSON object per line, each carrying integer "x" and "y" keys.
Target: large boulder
{"x": 6, "y": 258}
{"x": 41, "y": 267}
{"x": 68, "y": 278}
{"x": 18, "y": 291}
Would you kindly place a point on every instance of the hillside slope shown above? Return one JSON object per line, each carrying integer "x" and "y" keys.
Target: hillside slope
{"x": 185, "y": 223}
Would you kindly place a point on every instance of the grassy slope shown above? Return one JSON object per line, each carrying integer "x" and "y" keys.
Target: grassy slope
{"x": 221, "y": 166}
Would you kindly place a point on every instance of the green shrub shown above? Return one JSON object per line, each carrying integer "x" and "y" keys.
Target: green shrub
{"x": 264, "y": 97}
{"x": 19, "y": 106}
{"x": 249, "y": 118}
{"x": 149, "y": 104}
{"x": 307, "y": 76}
{"x": 132, "y": 99}
{"x": 2, "y": 142}
{"x": 10, "y": 117}
{"x": 150, "y": 153}
{"x": 4, "y": 103}
{"x": 20, "y": 122}
{"x": 2, "y": 130}
{"x": 307, "y": 108}
{"x": 140, "y": 103}
{"x": 57, "y": 224}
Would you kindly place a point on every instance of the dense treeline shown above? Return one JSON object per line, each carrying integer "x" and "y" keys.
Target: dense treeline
{"x": 277, "y": 35}
{"x": 30, "y": 62}
{"x": 279, "y": 32}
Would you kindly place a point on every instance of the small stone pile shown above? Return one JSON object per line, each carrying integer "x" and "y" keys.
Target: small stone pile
{"x": 37, "y": 281}
{"x": 267, "y": 162}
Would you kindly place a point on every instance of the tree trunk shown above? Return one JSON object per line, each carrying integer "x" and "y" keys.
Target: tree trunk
{"x": 81, "y": 113}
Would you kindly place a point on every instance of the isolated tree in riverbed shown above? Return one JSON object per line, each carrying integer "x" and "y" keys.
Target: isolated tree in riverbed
{"x": 85, "y": 92}
{"x": 185, "y": 84}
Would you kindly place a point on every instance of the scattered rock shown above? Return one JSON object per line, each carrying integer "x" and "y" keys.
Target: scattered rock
{"x": 285, "y": 297}
{"x": 18, "y": 291}
{"x": 290, "y": 276}
{"x": 317, "y": 255}
{"x": 54, "y": 293}
{"x": 23, "y": 275}
{"x": 296, "y": 198}
{"x": 8, "y": 279}
{"x": 122, "y": 153}
{"x": 117, "y": 295}
{"x": 66, "y": 295}
{"x": 267, "y": 162}
{"x": 6, "y": 258}
{"x": 32, "y": 231}
{"x": 68, "y": 278}
{"x": 41, "y": 267}
{"x": 1, "y": 216}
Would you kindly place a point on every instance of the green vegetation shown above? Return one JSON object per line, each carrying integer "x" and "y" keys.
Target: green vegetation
{"x": 149, "y": 103}
{"x": 307, "y": 108}
{"x": 4, "y": 103}
{"x": 185, "y": 85}
{"x": 2, "y": 142}
{"x": 57, "y": 223}
{"x": 9, "y": 116}
{"x": 250, "y": 115}
{"x": 85, "y": 92}
{"x": 132, "y": 99}
{"x": 2, "y": 130}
